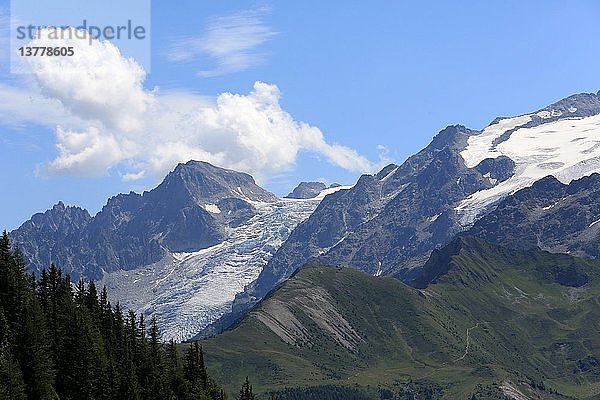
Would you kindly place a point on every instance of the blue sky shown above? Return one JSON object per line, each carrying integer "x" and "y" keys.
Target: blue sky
{"x": 349, "y": 85}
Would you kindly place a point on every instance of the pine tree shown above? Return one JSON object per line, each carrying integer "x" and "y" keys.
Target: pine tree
{"x": 49, "y": 331}
{"x": 246, "y": 391}
{"x": 13, "y": 283}
{"x": 154, "y": 342}
{"x": 201, "y": 366}
{"x": 12, "y": 386}
{"x": 28, "y": 339}
{"x": 106, "y": 320}
{"x": 91, "y": 300}
{"x": 5, "y": 272}
{"x": 174, "y": 372}
{"x": 195, "y": 371}
{"x": 80, "y": 294}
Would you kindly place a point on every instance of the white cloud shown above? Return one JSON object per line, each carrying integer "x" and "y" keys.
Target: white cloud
{"x": 130, "y": 176}
{"x": 384, "y": 155}
{"x": 97, "y": 82}
{"x": 88, "y": 153}
{"x": 25, "y": 103}
{"x": 232, "y": 41}
{"x": 106, "y": 118}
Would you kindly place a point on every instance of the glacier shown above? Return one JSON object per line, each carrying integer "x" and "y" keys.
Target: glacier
{"x": 568, "y": 149}
{"x": 188, "y": 291}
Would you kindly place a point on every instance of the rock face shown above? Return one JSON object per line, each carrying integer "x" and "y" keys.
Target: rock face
{"x": 188, "y": 211}
{"x": 180, "y": 252}
{"x": 550, "y": 215}
{"x": 54, "y": 234}
{"x": 389, "y": 223}
{"x": 306, "y": 190}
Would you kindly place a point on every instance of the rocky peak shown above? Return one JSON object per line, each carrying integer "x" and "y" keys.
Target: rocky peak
{"x": 60, "y": 216}
{"x": 577, "y": 105}
{"x": 306, "y": 190}
{"x": 550, "y": 215}
{"x": 190, "y": 210}
{"x": 206, "y": 183}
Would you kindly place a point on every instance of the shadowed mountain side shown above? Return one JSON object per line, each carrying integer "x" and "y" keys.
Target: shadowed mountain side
{"x": 188, "y": 211}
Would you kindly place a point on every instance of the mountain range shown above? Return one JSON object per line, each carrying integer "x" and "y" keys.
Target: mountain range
{"x": 390, "y": 222}
{"x": 207, "y": 244}
{"x": 187, "y": 212}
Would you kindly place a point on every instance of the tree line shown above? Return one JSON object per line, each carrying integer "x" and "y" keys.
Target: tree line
{"x": 59, "y": 341}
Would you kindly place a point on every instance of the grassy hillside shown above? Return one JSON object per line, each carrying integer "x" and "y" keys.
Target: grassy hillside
{"x": 486, "y": 317}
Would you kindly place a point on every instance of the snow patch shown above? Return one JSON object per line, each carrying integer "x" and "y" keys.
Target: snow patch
{"x": 572, "y": 109}
{"x": 593, "y": 223}
{"x": 479, "y": 147}
{"x": 544, "y": 114}
{"x": 433, "y": 217}
{"x": 212, "y": 208}
{"x": 242, "y": 194}
{"x": 379, "y": 270}
{"x": 389, "y": 174}
{"x": 564, "y": 148}
{"x": 327, "y": 191}
{"x": 490, "y": 179}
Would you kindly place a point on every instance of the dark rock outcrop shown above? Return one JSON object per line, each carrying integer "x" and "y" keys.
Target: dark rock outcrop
{"x": 188, "y": 211}
{"x": 306, "y": 190}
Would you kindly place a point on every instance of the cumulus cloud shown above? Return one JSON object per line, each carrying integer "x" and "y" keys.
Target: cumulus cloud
{"x": 23, "y": 104}
{"x": 232, "y": 41}
{"x": 130, "y": 176}
{"x": 106, "y": 118}
{"x": 90, "y": 152}
{"x": 97, "y": 82}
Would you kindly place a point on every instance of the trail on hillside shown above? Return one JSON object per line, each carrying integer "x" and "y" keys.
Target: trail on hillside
{"x": 467, "y": 344}
{"x": 468, "y": 340}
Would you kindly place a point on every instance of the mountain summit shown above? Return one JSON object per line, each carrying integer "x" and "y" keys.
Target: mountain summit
{"x": 190, "y": 210}
{"x": 307, "y": 190}
{"x": 180, "y": 251}
{"x": 205, "y": 182}
{"x": 389, "y": 223}
{"x": 206, "y": 234}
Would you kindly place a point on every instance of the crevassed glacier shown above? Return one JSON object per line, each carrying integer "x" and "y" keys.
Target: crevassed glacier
{"x": 188, "y": 291}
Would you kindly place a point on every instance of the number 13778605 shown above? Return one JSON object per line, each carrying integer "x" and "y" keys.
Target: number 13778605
{"x": 46, "y": 51}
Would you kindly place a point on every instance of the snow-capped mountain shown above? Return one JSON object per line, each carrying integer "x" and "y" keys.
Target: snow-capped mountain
{"x": 389, "y": 223}
{"x": 548, "y": 215}
{"x": 562, "y": 140}
{"x": 187, "y": 291}
{"x": 184, "y": 250}
{"x": 180, "y": 252}
{"x": 190, "y": 210}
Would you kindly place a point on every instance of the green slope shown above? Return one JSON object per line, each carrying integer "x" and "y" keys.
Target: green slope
{"x": 487, "y": 316}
